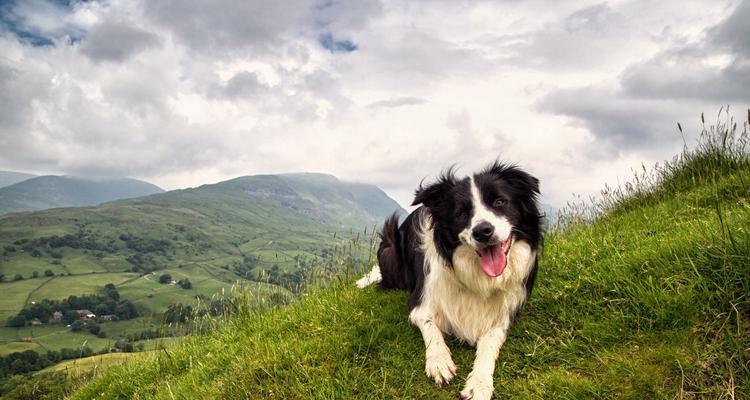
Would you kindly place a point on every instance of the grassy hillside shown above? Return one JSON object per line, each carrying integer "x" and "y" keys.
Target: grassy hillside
{"x": 643, "y": 295}
{"x": 265, "y": 231}
{"x": 51, "y": 191}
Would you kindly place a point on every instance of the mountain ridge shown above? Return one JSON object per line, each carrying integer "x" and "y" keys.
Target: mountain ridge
{"x": 54, "y": 191}
{"x": 8, "y": 178}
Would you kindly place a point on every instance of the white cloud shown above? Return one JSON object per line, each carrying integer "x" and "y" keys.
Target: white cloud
{"x": 185, "y": 93}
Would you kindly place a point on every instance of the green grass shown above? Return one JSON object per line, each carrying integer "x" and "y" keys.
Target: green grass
{"x": 645, "y": 298}
{"x": 58, "y": 337}
{"x": 98, "y": 362}
{"x": 60, "y": 287}
{"x": 19, "y": 346}
{"x": 14, "y": 296}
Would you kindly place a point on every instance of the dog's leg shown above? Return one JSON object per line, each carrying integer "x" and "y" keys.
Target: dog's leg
{"x": 438, "y": 362}
{"x": 372, "y": 277}
{"x": 479, "y": 385}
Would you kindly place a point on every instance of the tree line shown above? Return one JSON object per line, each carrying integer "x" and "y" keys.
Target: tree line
{"x": 106, "y": 302}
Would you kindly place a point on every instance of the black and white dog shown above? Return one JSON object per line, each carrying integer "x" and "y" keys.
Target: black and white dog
{"x": 468, "y": 256}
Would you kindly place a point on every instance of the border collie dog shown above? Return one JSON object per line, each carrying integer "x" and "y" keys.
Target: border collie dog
{"x": 468, "y": 256}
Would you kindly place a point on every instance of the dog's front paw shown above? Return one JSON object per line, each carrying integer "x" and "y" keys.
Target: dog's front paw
{"x": 439, "y": 366}
{"x": 477, "y": 387}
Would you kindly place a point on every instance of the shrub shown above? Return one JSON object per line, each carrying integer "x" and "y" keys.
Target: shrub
{"x": 17, "y": 322}
{"x": 165, "y": 278}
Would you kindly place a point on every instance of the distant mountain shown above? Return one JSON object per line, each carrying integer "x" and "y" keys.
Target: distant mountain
{"x": 8, "y": 178}
{"x": 52, "y": 191}
{"x": 275, "y": 217}
{"x": 321, "y": 197}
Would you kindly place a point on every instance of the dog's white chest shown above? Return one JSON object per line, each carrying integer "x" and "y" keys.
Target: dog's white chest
{"x": 464, "y": 302}
{"x": 465, "y": 314}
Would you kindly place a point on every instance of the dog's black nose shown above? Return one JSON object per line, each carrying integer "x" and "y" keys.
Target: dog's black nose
{"x": 483, "y": 232}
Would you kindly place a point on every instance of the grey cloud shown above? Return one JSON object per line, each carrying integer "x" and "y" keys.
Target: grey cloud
{"x": 734, "y": 31}
{"x": 651, "y": 96}
{"x": 683, "y": 73}
{"x": 346, "y": 15}
{"x": 20, "y": 144}
{"x": 116, "y": 41}
{"x": 397, "y": 102}
{"x": 419, "y": 59}
{"x": 619, "y": 124}
{"x": 259, "y": 27}
{"x": 576, "y": 41}
{"x": 594, "y": 19}
{"x": 298, "y": 101}
{"x": 244, "y": 84}
{"x": 664, "y": 77}
{"x": 227, "y": 25}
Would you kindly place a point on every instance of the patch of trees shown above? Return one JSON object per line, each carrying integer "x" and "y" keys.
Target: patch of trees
{"x": 292, "y": 280}
{"x": 106, "y": 302}
{"x": 83, "y": 239}
{"x": 142, "y": 262}
{"x": 179, "y": 313}
{"x": 245, "y": 267}
{"x": 166, "y": 279}
{"x": 144, "y": 248}
{"x": 29, "y": 360}
{"x": 145, "y": 245}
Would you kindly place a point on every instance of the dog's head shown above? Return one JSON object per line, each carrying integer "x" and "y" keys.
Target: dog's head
{"x": 486, "y": 212}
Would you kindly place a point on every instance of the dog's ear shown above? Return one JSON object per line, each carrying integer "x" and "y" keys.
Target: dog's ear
{"x": 432, "y": 195}
{"x": 515, "y": 177}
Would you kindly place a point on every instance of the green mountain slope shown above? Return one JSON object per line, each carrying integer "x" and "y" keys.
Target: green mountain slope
{"x": 264, "y": 228}
{"x": 8, "y": 178}
{"x": 647, "y": 300}
{"x": 51, "y": 191}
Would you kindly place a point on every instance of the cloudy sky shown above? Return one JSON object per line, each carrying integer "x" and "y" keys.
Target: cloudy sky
{"x": 186, "y": 92}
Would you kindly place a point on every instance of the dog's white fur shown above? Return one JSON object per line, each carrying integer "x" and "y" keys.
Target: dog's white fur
{"x": 371, "y": 278}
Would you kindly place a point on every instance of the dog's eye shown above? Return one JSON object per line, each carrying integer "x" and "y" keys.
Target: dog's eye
{"x": 498, "y": 203}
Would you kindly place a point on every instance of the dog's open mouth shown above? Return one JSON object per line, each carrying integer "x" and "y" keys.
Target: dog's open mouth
{"x": 493, "y": 259}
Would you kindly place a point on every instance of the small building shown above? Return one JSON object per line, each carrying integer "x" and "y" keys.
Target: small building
{"x": 85, "y": 314}
{"x": 57, "y": 315}
{"x": 27, "y": 339}
{"x": 108, "y": 317}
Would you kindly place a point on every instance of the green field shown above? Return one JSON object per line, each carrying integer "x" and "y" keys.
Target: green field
{"x": 60, "y": 287}
{"x": 99, "y": 362}
{"x": 13, "y": 347}
{"x": 641, "y": 296}
{"x": 15, "y": 296}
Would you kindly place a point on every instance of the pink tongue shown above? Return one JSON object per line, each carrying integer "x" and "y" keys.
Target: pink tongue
{"x": 493, "y": 260}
